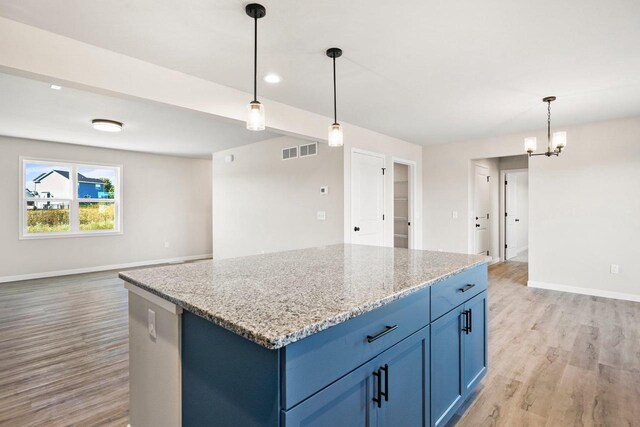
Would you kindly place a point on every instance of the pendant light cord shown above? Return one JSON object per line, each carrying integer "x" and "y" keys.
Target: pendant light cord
{"x": 255, "y": 59}
{"x": 335, "y": 104}
{"x": 549, "y": 126}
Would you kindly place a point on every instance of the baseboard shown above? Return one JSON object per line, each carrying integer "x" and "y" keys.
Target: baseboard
{"x": 494, "y": 260}
{"x": 584, "y": 291}
{"x": 45, "y": 274}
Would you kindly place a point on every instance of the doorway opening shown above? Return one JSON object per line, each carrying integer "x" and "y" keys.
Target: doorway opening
{"x": 494, "y": 230}
{"x": 401, "y": 202}
{"x": 516, "y": 215}
{"x": 482, "y": 201}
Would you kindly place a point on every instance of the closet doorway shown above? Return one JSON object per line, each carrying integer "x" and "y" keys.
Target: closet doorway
{"x": 403, "y": 185}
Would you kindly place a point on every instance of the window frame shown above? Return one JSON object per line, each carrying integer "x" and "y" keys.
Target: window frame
{"x": 74, "y": 201}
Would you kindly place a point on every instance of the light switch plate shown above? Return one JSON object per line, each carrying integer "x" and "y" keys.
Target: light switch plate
{"x": 151, "y": 315}
{"x": 228, "y": 158}
{"x": 454, "y": 214}
{"x": 322, "y": 215}
{"x": 615, "y": 269}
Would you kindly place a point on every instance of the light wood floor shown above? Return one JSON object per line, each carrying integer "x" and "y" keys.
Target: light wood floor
{"x": 64, "y": 352}
{"x": 557, "y": 359}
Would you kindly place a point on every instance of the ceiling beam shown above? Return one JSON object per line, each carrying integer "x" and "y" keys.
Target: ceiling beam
{"x": 39, "y": 54}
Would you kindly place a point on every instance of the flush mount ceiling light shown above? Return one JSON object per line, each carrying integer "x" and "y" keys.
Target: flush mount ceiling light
{"x": 555, "y": 143}
{"x": 272, "y": 78}
{"x": 335, "y": 129}
{"x": 255, "y": 117}
{"x": 106, "y": 125}
{"x": 55, "y": 87}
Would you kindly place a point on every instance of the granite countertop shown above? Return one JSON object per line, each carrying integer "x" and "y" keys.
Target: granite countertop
{"x": 279, "y": 298}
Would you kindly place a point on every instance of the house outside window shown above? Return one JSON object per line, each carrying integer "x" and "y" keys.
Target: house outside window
{"x": 64, "y": 199}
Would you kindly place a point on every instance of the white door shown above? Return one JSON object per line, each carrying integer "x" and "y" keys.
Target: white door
{"x": 511, "y": 215}
{"x": 367, "y": 199}
{"x": 482, "y": 205}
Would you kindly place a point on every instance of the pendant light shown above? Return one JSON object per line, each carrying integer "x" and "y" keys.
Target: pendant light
{"x": 255, "y": 112}
{"x": 335, "y": 130}
{"x": 555, "y": 143}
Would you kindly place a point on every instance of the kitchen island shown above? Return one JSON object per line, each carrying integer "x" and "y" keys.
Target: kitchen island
{"x": 329, "y": 336}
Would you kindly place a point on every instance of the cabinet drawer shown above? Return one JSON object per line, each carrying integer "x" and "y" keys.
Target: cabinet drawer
{"x": 313, "y": 363}
{"x": 350, "y": 401}
{"x": 456, "y": 290}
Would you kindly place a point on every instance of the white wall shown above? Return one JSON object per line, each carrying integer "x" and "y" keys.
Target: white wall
{"x": 584, "y": 205}
{"x": 164, "y": 199}
{"x": 264, "y": 204}
{"x": 514, "y": 162}
{"x": 585, "y": 211}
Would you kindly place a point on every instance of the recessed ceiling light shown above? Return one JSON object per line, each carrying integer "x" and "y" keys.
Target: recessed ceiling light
{"x": 272, "y": 78}
{"x": 56, "y": 87}
{"x": 106, "y": 125}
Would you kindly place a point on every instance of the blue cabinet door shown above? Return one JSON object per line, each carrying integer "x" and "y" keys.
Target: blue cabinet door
{"x": 405, "y": 379}
{"x": 446, "y": 366}
{"x": 475, "y": 342}
{"x": 347, "y": 402}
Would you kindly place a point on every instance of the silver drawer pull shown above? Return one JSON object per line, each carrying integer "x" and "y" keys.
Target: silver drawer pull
{"x": 466, "y": 288}
{"x": 387, "y": 329}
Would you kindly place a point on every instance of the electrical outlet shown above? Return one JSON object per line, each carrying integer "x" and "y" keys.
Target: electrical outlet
{"x": 167, "y": 244}
{"x": 151, "y": 317}
{"x": 322, "y": 215}
{"x": 615, "y": 269}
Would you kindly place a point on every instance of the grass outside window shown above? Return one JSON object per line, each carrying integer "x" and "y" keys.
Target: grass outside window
{"x": 97, "y": 216}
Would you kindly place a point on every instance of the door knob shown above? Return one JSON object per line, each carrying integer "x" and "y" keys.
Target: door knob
{"x": 517, "y": 220}
{"x": 356, "y": 228}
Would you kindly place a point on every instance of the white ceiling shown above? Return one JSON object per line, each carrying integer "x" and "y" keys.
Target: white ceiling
{"x": 425, "y": 71}
{"x": 31, "y": 109}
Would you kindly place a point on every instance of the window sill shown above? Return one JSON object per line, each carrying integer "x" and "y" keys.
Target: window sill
{"x": 69, "y": 235}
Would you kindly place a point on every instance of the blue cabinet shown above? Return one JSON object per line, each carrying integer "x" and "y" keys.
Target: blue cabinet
{"x": 387, "y": 367}
{"x": 328, "y": 355}
{"x": 475, "y": 342}
{"x": 446, "y": 366}
{"x": 392, "y": 388}
{"x": 348, "y": 401}
{"x": 405, "y": 368}
{"x": 458, "y": 356}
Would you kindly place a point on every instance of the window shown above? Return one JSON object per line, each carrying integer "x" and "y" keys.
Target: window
{"x": 62, "y": 199}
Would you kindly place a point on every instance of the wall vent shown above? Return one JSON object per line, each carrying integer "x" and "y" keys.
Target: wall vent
{"x": 309, "y": 149}
{"x": 289, "y": 153}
